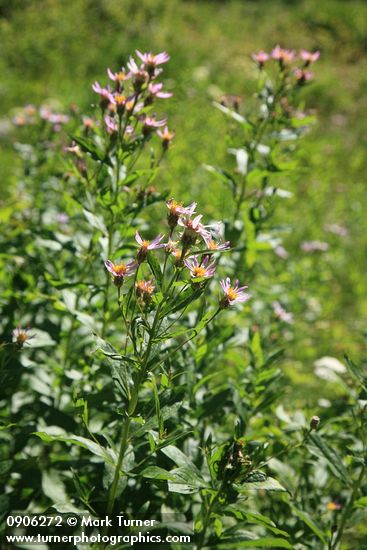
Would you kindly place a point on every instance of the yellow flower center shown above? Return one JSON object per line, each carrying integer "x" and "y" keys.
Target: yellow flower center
{"x": 232, "y": 294}
{"x": 144, "y": 245}
{"x": 120, "y": 99}
{"x": 331, "y": 506}
{"x": 173, "y": 205}
{"x": 145, "y": 287}
{"x": 120, "y": 76}
{"x": 212, "y": 245}
{"x": 199, "y": 271}
{"x": 120, "y": 269}
{"x": 22, "y": 337}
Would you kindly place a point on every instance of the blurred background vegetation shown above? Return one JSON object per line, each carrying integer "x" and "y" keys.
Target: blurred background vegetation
{"x": 52, "y": 50}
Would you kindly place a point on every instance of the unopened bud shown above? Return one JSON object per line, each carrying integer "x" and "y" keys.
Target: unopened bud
{"x": 314, "y": 422}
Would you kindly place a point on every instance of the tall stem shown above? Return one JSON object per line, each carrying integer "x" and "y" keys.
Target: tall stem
{"x": 207, "y": 518}
{"x": 123, "y": 447}
{"x": 348, "y": 509}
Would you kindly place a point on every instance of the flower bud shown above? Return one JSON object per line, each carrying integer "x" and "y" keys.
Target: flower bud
{"x": 314, "y": 422}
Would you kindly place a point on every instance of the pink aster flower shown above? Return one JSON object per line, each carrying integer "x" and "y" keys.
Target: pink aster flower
{"x": 170, "y": 246}
{"x": 260, "y": 58}
{"x": 281, "y": 252}
{"x": 118, "y": 77}
{"x": 193, "y": 228}
{"x": 132, "y": 107}
{"x": 176, "y": 210}
{"x": 303, "y": 76}
{"x": 204, "y": 269}
{"x": 336, "y": 229}
{"x": 144, "y": 290}
{"x": 150, "y": 123}
{"x": 104, "y": 93}
{"x": 119, "y": 101}
{"x": 314, "y": 246}
{"x": 58, "y": 118}
{"x": 20, "y": 336}
{"x": 233, "y": 294}
{"x": 139, "y": 75}
{"x": 177, "y": 254}
{"x": 30, "y": 110}
{"x": 145, "y": 246}
{"x": 62, "y": 218}
{"x": 74, "y": 149}
{"x": 333, "y": 506}
{"x": 88, "y": 123}
{"x": 281, "y": 313}
{"x": 166, "y": 137}
{"x": 155, "y": 90}
{"x": 282, "y": 55}
{"x": 45, "y": 112}
{"x": 309, "y": 57}
{"x": 111, "y": 125}
{"x": 120, "y": 271}
{"x": 214, "y": 246}
{"x": 151, "y": 61}
{"x": 20, "y": 120}
{"x": 133, "y": 67}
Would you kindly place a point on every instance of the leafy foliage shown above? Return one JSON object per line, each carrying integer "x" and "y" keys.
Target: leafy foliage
{"x": 139, "y": 385}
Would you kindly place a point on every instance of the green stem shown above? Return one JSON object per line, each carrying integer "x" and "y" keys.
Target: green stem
{"x": 116, "y": 478}
{"x": 131, "y": 409}
{"x": 348, "y": 509}
{"x": 108, "y": 282}
{"x": 207, "y": 519}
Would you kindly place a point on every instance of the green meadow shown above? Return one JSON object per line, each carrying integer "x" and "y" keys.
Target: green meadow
{"x": 53, "y": 51}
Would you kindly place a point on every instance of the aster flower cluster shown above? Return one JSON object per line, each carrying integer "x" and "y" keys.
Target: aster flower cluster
{"x": 285, "y": 58}
{"x": 30, "y": 115}
{"x": 191, "y": 245}
{"x": 126, "y": 102}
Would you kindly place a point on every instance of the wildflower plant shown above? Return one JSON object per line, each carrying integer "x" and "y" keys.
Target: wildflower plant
{"x": 262, "y": 143}
{"x": 160, "y": 399}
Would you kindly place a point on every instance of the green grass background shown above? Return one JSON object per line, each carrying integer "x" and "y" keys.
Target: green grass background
{"x": 55, "y": 49}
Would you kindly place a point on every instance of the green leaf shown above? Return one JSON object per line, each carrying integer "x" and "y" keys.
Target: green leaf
{"x": 334, "y": 461}
{"x": 178, "y": 457}
{"x": 270, "y": 484}
{"x": 95, "y": 221}
{"x": 310, "y": 523}
{"x": 222, "y": 175}
{"x": 185, "y": 480}
{"x": 109, "y": 351}
{"x": 356, "y": 372}
{"x": 154, "y": 472}
{"x": 256, "y": 350}
{"x": 361, "y": 502}
{"x": 233, "y": 114}
{"x": 39, "y": 339}
{"x": 54, "y": 489}
{"x": 106, "y": 454}
{"x": 185, "y": 299}
{"x": 156, "y": 269}
{"x": 88, "y": 146}
{"x": 256, "y": 518}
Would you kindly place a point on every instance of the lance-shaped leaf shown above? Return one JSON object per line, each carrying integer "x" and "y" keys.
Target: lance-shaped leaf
{"x": 310, "y": 523}
{"x": 334, "y": 461}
